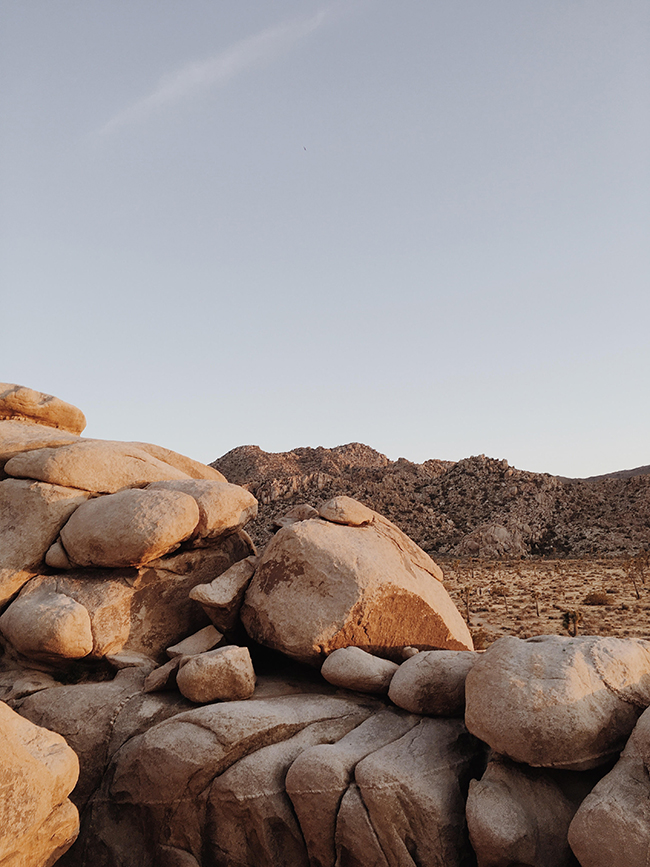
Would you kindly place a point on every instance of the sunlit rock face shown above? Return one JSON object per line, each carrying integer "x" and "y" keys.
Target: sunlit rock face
{"x": 323, "y": 584}
{"x": 37, "y": 773}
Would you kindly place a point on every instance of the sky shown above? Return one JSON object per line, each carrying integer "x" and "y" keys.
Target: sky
{"x": 422, "y": 226}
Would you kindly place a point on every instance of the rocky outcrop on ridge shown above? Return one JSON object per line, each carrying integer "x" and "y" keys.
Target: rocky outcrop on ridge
{"x": 478, "y": 506}
{"x": 318, "y": 703}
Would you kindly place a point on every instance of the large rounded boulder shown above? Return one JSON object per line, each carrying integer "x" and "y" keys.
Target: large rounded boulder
{"x": 558, "y": 702}
{"x": 322, "y": 585}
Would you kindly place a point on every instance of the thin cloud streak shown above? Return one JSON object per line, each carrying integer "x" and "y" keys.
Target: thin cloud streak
{"x": 218, "y": 70}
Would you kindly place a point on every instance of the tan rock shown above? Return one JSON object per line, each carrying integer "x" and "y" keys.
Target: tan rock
{"x": 301, "y": 512}
{"x": 47, "y": 625}
{"x": 612, "y": 826}
{"x": 24, "y": 436}
{"x": 355, "y": 838}
{"x": 558, "y": 702}
{"x": 163, "y": 677}
{"x": 129, "y": 528}
{"x": 84, "y": 714}
{"x": 224, "y": 674}
{"x": 31, "y": 515}
{"x": 37, "y": 773}
{"x": 433, "y": 682}
{"x": 149, "y": 796}
{"x": 193, "y": 469}
{"x": 521, "y": 815}
{"x": 131, "y": 659}
{"x": 345, "y": 510}
{"x": 250, "y": 816}
{"x": 413, "y": 790}
{"x": 223, "y": 508}
{"x": 222, "y": 598}
{"x": 141, "y": 611}
{"x": 19, "y": 402}
{"x": 319, "y": 777}
{"x": 202, "y": 641}
{"x": 353, "y": 668}
{"x": 93, "y": 465}
{"x": 320, "y": 586}
{"x": 56, "y": 557}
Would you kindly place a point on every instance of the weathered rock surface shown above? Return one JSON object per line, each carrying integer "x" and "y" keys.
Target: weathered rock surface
{"x": 433, "y": 682}
{"x": 224, "y": 674}
{"x": 130, "y": 528}
{"x": 31, "y": 515}
{"x": 320, "y": 586}
{"x": 353, "y": 668}
{"x": 521, "y": 815}
{"x": 44, "y": 624}
{"x": 558, "y": 702}
{"x": 612, "y": 825}
{"x": 223, "y": 508}
{"x": 414, "y": 791}
{"x": 23, "y": 436}
{"x": 100, "y": 466}
{"x": 193, "y": 469}
{"x": 222, "y": 598}
{"x": 318, "y": 779}
{"x": 249, "y": 817}
{"x": 19, "y": 402}
{"x": 68, "y": 711}
{"x": 136, "y": 610}
{"x": 150, "y": 800}
{"x": 37, "y": 773}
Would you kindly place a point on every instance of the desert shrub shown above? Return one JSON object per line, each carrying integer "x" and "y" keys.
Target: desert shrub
{"x": 596, "y": 597}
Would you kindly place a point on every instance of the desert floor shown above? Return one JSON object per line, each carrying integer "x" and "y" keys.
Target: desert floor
{"x": 526, "y": 598}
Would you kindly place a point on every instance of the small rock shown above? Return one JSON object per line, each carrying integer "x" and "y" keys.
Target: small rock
{"x": 202, "y": 641}
{"x": 353, "y": 668}
{"x": 345, "y": 510}
{"x": 163, "y": 677}
{"x": 223, "y": 597}
{"x": 131, "y": 659}
{"x": 224, "y": 674}
{"x": 301, "y": 512}
{"x": 433, "y": 682}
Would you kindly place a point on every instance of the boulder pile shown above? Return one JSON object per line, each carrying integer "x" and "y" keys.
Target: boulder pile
{"x": 317, "y": 703}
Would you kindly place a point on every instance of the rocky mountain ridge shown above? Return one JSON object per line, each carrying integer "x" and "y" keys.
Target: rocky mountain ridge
{"x": 478, "y": 506}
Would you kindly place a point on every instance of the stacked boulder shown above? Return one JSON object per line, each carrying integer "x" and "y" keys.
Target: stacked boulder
{"x": 317, "y": 704}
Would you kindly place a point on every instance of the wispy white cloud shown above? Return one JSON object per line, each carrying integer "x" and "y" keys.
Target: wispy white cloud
{"x": 218, "y": 70}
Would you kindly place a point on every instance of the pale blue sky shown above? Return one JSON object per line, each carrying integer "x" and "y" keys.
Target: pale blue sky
{"x": 423, "y": 226}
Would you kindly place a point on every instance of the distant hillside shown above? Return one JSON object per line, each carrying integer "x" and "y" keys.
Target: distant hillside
{"x": 478, "y": 506}
{"x": 622, "y": 474}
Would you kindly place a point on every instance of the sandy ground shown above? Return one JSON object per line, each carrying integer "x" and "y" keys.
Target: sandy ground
{"x": 526, "y": 598}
